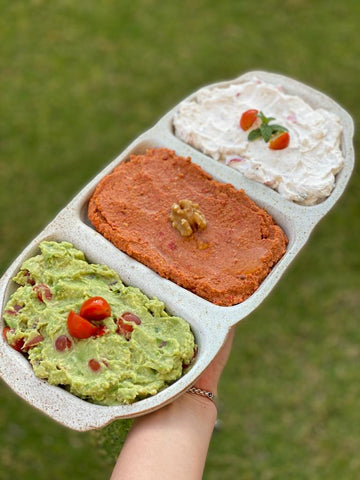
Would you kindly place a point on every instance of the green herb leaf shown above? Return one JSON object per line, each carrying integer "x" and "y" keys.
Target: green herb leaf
{"x": 254, "y": 134}
{"x": 278, "y": 128}
{"x": 265, "y": 120}
{"x": 265, "y": 130}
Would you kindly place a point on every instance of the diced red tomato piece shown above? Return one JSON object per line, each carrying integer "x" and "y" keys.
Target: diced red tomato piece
{"x": 29, "y": 279}
{"x": 34, "y": 341}
{"x": 102, "y": 330}
{"x": 79, "y": 327}
{"x": 42, "y": 292}
{"x": 95, "y": 308}
{"x": 124, "y": 328}
{"x": 131, "y": 317}
{"x": 248, "y": 118}
{"x": 17, "y": 344}
{"x": 94, "y": 365}
{"x": 280, "y": 141}
{"x": 5, "y": 330}
{"x": 62, "y": 343}
{"x": 15, "y": 311}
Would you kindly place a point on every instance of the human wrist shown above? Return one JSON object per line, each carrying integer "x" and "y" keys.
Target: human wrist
{"x": 202, "y": 392}
{"x": 181, "y": 429}
{"x": 197, "y": 412}
{"x": 207, "y": 385}
{"x": 200, "y": 404}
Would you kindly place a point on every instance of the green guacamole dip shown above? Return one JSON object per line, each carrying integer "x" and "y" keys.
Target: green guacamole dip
{"x": 127, "y": 367}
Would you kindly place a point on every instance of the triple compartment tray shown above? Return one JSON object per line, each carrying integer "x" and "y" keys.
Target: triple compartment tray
{"x": 210, "y": 323}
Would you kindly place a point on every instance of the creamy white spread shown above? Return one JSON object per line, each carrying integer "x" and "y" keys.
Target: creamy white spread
{"x": 304, "y": 172}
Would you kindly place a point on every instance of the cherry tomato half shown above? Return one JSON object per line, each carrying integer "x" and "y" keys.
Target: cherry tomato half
{"x": 79, "y": 327}
{"x": 280, "y": 141}
{"x": 95, "y": 308}
{"x": 248, "y": 118}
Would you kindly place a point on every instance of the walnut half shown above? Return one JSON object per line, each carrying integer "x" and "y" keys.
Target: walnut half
{"x": 186, "y": 217}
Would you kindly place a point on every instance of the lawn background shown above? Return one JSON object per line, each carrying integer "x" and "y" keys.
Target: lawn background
{"x": 79, "y": 81}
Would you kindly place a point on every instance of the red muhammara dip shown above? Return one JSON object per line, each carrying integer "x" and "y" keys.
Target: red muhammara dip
{"x": 224, "y": 262}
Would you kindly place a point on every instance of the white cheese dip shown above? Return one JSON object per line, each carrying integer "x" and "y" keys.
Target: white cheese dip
{"x": 304, "y": 172}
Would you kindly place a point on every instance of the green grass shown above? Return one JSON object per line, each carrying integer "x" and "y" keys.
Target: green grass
{"x": 79, "y": 81}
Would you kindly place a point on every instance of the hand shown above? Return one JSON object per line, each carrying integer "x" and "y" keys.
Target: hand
{"x": 172, "y": 442}
{"x": 210, "y": 377}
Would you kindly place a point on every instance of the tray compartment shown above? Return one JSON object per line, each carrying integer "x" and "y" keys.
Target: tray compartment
{"x": 311, "y": 96}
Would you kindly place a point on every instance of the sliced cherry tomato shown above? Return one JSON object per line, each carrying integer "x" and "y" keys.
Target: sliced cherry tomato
{"x": 79, "y": 327}
{"x": 280, "y": 141}
{"x": 248, "y": 118}
{"x": 95, "y": 308}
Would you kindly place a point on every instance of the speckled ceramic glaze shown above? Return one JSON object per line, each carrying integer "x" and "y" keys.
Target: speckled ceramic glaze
{"x": 210, "y": 323}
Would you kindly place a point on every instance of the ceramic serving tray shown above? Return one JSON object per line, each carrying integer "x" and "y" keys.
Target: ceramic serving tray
{"x": 210, "y": 323}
